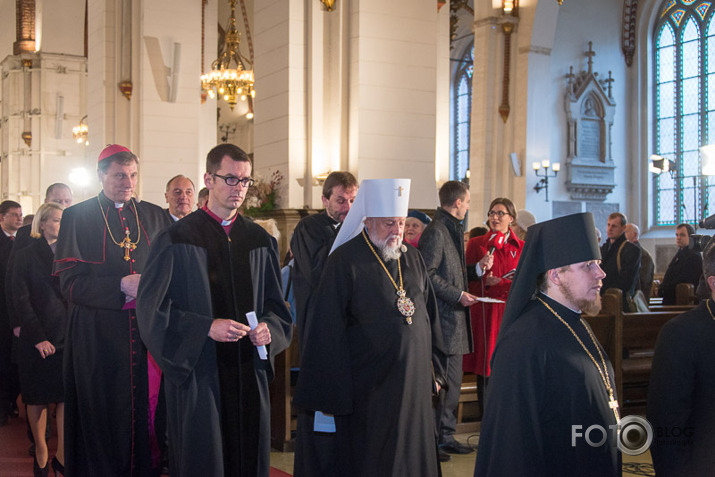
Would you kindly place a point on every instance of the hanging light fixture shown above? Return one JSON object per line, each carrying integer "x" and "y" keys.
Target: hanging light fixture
{"x": 231, "y": 75}
{"x": 80, "y": 131}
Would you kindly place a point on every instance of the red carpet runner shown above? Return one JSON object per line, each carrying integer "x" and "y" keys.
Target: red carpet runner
{"x": 14, "y": 461}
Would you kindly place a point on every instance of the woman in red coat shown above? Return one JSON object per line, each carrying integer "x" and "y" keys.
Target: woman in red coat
{"x": 496, "y": 271}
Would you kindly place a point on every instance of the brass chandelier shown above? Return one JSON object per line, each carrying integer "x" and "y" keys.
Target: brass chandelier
{"x": 230, "y": 82}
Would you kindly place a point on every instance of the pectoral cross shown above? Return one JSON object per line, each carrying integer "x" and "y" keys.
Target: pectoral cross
{"x": 613, "y": 404}
{"x": 399, "y": 191}
{"x": 127, "y": 245}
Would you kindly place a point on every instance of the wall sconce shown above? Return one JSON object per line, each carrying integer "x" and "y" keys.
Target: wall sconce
{"x": 226, "y": 129}
{"x": 508, "y": 21}
{"x": 544, "y": 182}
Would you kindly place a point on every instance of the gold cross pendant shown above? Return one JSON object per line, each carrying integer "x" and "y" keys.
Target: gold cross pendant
{"x": 128, "y": 246}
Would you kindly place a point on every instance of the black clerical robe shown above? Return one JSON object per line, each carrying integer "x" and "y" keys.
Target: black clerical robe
{"x": 217, "y": 397}
{"x": 364, "y": 364}
{"x": 311, "y": 242}
{"x": 542, "y": 384}
{"x": 312, "y": 239}
{"x": 105, "y": 362}
{"x": 681, "y": 395}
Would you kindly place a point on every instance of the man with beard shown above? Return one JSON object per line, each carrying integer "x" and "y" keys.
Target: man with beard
{"x": 207, "y": 272}
{"x": 372, "y": 343}
{"x": 315, "y": 453}
{"x": 180, "y": 197}
{"x": 551, "y": 380}
{"x": 109, "y": 380}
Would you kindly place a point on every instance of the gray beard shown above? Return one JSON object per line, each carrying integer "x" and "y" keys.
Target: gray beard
{"x": 388, "y": 253}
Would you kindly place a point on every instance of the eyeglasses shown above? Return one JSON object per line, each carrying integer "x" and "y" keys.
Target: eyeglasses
{"x": 234, "y": 181}
{"x": 500, "y": 213}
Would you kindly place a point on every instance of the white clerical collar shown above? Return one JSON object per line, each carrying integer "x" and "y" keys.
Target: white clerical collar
{"x": 118, "y": 205}
{"x": 575, "y": 311}
{"x": 7, "y": 234}
{"x": 175, "y": 218}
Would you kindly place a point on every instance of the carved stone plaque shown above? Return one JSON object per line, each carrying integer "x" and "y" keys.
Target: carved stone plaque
{"x": 590, "y": 109}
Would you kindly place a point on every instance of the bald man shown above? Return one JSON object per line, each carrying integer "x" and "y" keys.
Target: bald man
{"x": 645, "y": 279}
{"x": 180, "y": 197}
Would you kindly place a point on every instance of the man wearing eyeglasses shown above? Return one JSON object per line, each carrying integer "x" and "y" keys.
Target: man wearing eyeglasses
{"x": 208, "y": 271}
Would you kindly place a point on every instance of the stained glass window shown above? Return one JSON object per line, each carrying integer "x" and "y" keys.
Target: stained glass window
{"x": 462, "y": 109}
{"x": 684, "y": 40}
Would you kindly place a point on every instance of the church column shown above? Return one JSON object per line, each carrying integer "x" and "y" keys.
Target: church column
{"x": 280, "y": 104}
{"x": 355, "y": 89}
{"x": 393, "y": 92}
{"x": 494, "y": 140}
{"x": 144, "y": 87}
{"x": 485, "y": 121}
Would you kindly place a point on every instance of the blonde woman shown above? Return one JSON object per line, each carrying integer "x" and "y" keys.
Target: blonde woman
{"x": 43, "y": 314}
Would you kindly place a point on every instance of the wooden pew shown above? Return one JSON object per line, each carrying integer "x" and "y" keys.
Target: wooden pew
{"x": 629, "y": 347}
{"x": 468, "y": 414}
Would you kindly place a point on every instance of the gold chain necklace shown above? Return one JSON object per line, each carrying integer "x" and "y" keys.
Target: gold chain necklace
{"x": 707, "y": 303}
{"x": 404, "y": 304}
{"x": 126, "y": 243}
{"x": 612, "y": 402}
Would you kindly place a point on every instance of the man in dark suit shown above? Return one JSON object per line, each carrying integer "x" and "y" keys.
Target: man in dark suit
{"x": 621, "y": 259}
{"x": 442, "y": 247}
{"x": 180, "y": 197}
{"x": 10, "y": 222}
{"x": 686, "y": 266}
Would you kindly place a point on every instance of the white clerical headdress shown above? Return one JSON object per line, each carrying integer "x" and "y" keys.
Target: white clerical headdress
{"x": 375, "y": 198}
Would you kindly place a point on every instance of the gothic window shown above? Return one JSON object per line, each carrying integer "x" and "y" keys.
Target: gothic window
{"x": 461, "y": 109}
{"x": 684, "y": 40}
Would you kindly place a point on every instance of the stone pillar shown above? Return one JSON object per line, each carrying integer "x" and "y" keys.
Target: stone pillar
{"x": 25, "y": 17}
{"x": 352, "y": 89}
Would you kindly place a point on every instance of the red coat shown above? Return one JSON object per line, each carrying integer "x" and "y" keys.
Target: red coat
{"x": 486, "y": 317}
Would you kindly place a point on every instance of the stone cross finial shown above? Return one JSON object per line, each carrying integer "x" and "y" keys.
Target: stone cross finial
{"x": 609, "y": 81}
{"x": 590, "y": 54}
